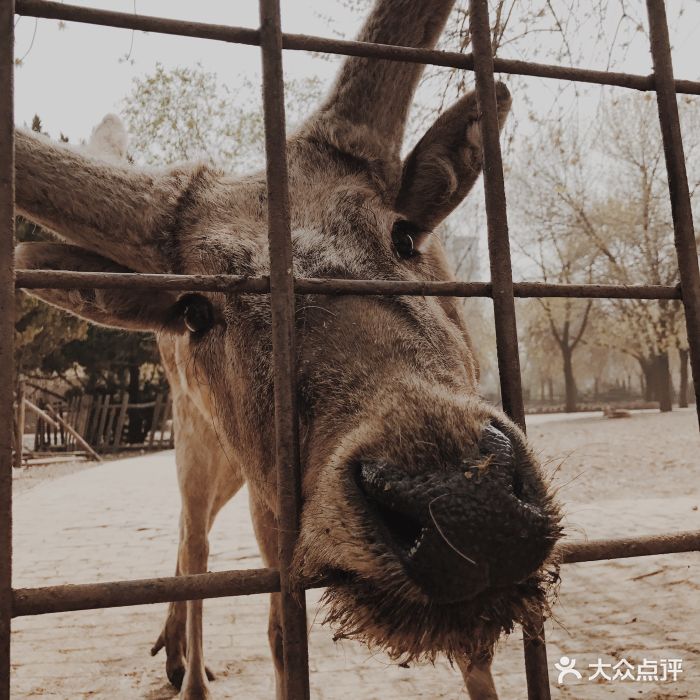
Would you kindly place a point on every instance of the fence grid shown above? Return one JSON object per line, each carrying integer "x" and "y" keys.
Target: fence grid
{"x": 282, "y": 287}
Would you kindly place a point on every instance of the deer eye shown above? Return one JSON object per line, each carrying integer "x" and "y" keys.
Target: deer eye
{"x": 406, "y": 236}
{"x": 197, "y": 313}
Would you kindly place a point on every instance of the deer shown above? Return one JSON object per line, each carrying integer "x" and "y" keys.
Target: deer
{"x": 422, "y": 504}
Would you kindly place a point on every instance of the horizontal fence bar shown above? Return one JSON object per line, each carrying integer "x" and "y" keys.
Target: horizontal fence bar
{"x": 301, "y": 42}
{"x": 626, "y": 547}
{"x": 111, "y": 594}
{"x": 60, "y": 279}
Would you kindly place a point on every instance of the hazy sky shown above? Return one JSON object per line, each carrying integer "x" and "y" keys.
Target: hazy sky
{"x": 73, "y": 75}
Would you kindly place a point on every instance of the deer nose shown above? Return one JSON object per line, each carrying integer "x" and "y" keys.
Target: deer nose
{"x": 461, "y": 530}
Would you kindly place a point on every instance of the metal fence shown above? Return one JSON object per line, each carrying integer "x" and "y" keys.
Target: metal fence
{"x": 282, "y": 287}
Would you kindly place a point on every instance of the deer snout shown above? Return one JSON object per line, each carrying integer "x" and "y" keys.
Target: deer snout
{"x": 462, "y": 530}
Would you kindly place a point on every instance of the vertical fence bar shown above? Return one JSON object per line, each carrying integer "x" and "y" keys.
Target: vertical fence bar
{"x": 686, "y": 247}
{"x": 19, "y": 437}
{"x": 295, "y": 647}
{"x": 535, "y": 649}
{"x": 496, "y": 216}
{"x": 7, "y": 318}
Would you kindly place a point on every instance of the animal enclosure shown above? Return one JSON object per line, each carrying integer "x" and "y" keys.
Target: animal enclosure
{"x": 282, "y": 288}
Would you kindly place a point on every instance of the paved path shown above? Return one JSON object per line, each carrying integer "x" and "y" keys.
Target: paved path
{"x": 118, "y": 520}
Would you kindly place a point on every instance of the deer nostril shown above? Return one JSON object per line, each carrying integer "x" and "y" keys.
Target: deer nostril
{"x": 405, "y": 531}
{"x": 383, "y": 497}
{"x": 494, "y": 441}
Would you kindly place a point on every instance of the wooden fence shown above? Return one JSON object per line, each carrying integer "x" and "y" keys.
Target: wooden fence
{"x": 99, "y": 423}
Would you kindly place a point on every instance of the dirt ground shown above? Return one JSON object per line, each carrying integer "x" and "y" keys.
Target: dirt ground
{"x": 29, "y": 477}
{"x": 119, "y": 520}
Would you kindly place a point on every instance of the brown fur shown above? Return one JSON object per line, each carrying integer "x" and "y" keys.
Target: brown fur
{"x": 377, "y": 377}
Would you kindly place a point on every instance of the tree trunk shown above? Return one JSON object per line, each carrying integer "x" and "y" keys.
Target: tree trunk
{"x": 649, "y": 383}
{"x": 134, "y": 381}
{"x": 683, "y": 388}
{"x": 550, "y": 388}
{"x": 134, "y": 431}
{"x": 664, "y": 384}
{"x": 570, "y": 390}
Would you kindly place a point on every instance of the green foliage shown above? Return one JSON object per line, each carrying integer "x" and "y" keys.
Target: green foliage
{"x": 185, "y": 113}
{"x": 113, "y": 361}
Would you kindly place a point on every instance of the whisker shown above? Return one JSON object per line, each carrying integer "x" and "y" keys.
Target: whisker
{"x": 443, "y": 535}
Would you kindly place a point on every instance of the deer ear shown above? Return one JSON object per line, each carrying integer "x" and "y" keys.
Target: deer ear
{"x": 136, "y": 310}
{"x": 446, "y": 162}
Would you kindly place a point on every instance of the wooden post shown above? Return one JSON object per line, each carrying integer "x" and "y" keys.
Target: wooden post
{"x": 37, "y": 434}
{"x": 93, "y": 419}
{"x": 84, "y": 415}
{"x": 19, "y": 434}
{"x": 167, "y": 409}
{"x": 108, "y": 436}
{"x": 156, "y": 418}
{"x": 99, "y": 437}
{"x": 53, "y": 430}
{"x": 71, "y": 419}
{"x": 120, "y": 421}
{"x": 61, "y": 432}
{"x": 76, "y": 435}
{"x": 42, "y": 415}
{"x": 171, "y": 438}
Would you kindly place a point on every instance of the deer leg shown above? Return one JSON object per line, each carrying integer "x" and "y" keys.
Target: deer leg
{"x": 274, "y": 635}
{"x": 172, "y": 639}
{"x": 182, "y": 633}
{"x": 477, "y": 677}
{"x": 207, "y": 480}
{"x": 265, "y": 527}
{"x": 193, "y": 556}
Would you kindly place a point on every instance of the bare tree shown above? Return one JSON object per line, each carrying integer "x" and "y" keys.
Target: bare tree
{"x": 599, "y": 201}
{"x": 549, "y": 238}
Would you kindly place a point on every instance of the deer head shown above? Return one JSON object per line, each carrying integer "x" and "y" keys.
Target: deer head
{"x": 424, "y": 501}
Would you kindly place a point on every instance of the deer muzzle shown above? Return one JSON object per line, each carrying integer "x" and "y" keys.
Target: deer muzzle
{"x": 462, "y": 530}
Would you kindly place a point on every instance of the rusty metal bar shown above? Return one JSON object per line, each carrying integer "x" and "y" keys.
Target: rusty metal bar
{"x": 108, "y": 594}
{"x": 7, "y": 330}
{"x": 20, "y": 423}
{"x": 681, "y": 209}
{"x": 496, "y": 216}
{"x": 627, "y": 547}
{"x": 535, "y": 654}
{"x": 295, "y": 684}
{"x": 61, "y": 279}
{"x": 301, "y": 42}
{"x": 535, "y": 649}
{"x": 114, "y": 594}
{"x": 529, "y": 290}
